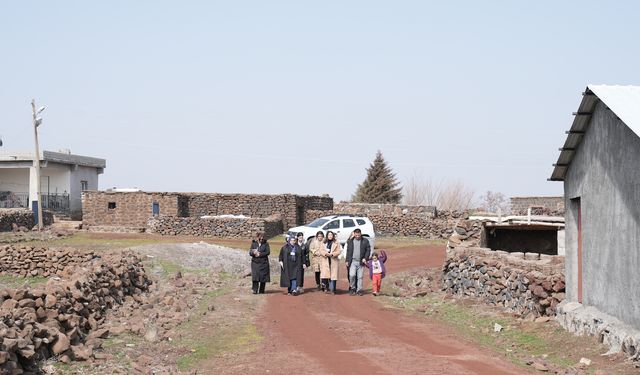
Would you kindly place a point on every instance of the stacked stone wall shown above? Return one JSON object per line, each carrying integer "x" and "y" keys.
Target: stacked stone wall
{"x": 133, "y": 209}
{"x": 124, "y": 209}
{"x": 64, "y": 317}
{"x": 528, "y": 284}
{"x": 214, "y": 226}
{"x": 552, "y": 206}
{"x": 27, "y": 261}
{"x": 12, "y": 218}
{"x": 403, "y": 220}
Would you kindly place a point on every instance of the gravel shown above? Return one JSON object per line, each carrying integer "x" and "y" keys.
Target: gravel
{"x": 202, "y": 255}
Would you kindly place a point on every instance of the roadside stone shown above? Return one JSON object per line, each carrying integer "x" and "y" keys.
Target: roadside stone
{"x": 62, "y": 344}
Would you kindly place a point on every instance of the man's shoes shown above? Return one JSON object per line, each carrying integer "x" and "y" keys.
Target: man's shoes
{"x": 333, "y": 292}
{"x": 295, "y": 292}
{"x": 360, "y": 293}
{"x": 255, "y": 292}
{"x": 351, "y": 292}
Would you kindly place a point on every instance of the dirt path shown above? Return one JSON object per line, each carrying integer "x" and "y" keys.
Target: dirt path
{"x": 328, "y": 334}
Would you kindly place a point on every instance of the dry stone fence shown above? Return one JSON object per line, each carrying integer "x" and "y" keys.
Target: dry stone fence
{"x": 63, "y": 318}
{"x": 529, "y": 284}
{"x": 552, "y": 206}
{"x": 201, "y": 214}
{"x": 20, "y": 218}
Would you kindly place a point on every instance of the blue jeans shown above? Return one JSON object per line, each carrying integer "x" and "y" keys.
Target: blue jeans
{"x": 293, "y": 285}
{"x": 332, "y": 285}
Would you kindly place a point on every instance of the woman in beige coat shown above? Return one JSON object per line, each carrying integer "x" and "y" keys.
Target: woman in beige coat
{"x": 314, "y": 249}
{"x": 329, "y": 264}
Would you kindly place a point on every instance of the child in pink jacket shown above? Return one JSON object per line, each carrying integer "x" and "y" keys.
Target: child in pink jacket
{"x": 377, "y": 270}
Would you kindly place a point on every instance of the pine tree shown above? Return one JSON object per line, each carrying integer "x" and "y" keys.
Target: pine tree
{"x": 380, "y": 185}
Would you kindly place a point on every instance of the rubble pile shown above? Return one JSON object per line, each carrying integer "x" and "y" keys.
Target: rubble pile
{"x": 64, "y": 318}
{"x": 25, "y": 261}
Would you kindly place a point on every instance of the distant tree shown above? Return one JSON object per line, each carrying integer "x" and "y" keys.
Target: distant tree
{"x": 380, "y": 185}
{"x": 445, "y": 195}
{"x": 494, "y": 201}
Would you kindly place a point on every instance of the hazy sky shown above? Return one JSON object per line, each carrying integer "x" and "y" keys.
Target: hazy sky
{"x": 297, "y": 96}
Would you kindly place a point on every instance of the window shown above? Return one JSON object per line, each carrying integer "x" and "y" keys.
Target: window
{"x": 317, "y": 223}
{"x": 360, "y": 222}
{"x": 84, "y": 185}
{"x": 111, "y": 205}
{"x": 332, "y": 225}
{"x": 155, "y": 209}
{"x": 348, "y": 223}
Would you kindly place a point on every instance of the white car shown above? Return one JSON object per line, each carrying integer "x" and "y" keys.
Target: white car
{"x": 341, "y": 225}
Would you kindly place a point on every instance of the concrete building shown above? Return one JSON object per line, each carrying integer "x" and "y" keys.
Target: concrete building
{"x": 63, "y": 177}
{"x": 600, "y": 166}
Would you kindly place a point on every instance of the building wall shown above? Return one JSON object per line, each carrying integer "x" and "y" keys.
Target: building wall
{"x": 520, "y": 205}
{"x": 136, "y": 207}
{"x": 131, "y": 209}
{"x": 604, "y": 174}
{"x": 14, "y": 179}
{"x": 75, "y": 188}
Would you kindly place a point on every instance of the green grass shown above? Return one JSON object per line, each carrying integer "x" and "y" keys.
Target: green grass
{"x": 241, "y": 336}
{"x": 17, "y": 281}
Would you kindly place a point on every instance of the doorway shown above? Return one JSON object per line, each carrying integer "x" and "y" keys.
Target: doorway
{"x": 577, "y": 209}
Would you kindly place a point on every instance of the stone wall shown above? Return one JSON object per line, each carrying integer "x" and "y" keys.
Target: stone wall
{"x": 214, "y": 226}
{"x": 552, "y": 206}
{"x": 611, "y": 331}
{"x": 124, "y": 209}
{"x": 21, "y": 218}
{"x": 64, "y": 317}
{"x": 29, "y": 261}
{"x": 528, "y": 284}
{"x": 133, "y": 209}
{"x": 395, "y": 210}
{"x": 403, "y": 220}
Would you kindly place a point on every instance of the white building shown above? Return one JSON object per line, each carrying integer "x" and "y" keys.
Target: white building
{"x": 63, "y": 178}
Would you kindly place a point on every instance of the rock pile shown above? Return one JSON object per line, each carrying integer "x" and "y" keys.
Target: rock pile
{"x": 40, "y": 261}
{"x": 531, "y": 285}
{"x": 64, "y": 318}
{"x": 20, "y": 219}
{"x": 214, "y": 226}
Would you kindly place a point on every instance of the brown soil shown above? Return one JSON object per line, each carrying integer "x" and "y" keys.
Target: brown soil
{"x": 326, "y": 334}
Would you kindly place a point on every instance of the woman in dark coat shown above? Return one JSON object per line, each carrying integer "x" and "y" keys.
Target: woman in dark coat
{"x": 260, "y": 272}
{"x": 290, "y": 265}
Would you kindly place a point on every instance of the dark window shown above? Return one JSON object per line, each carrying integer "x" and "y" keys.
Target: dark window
{"x": 111, "y": 205}
{"x": 84, "y": 185}
{"x": 155, "y": 208}
{"x": 360, "y": 222}
{"x": 348, "y": 223}
{"x": 332, "y": 225}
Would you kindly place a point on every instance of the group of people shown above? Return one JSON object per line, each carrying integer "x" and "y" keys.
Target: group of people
{"x": 322, "y": 256}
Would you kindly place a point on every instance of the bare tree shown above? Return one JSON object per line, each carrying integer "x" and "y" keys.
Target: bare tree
{"x": 494, "y": 201}
{"x": 453, "y": 195}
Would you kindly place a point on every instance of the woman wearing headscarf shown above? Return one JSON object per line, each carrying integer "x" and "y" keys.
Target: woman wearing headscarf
{"x": 290, "y": 265}
{"x": 330, "y": 263}
{"x": 260, "y": 272}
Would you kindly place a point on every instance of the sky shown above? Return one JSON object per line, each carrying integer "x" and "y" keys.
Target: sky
{"x": 297, "y": 96}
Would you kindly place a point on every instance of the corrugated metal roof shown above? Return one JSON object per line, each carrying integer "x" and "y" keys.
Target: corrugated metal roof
{"x": 624, "y": 101}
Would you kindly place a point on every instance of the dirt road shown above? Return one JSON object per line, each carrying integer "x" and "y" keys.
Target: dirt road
{"x": 325, "y": 334}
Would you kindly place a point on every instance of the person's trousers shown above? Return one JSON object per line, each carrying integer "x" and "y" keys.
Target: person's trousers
{"x": 293, "y": 285}
{"x": 376, "y": 282}
{"x": 356, "y": 271}
{"x": 318, "y": 278}
{"x": 258, "y": 287}
{"x": 301, "y": 281}
{"x": 329, "y": 284}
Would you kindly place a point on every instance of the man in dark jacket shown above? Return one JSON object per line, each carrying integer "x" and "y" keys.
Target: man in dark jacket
{"x": 358, "y": 252}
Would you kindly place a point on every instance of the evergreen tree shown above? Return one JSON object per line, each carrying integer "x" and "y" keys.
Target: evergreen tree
{"x": 380, "y": 185}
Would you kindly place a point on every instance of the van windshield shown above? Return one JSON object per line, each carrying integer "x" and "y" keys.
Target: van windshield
{"x": 317, "y": 223}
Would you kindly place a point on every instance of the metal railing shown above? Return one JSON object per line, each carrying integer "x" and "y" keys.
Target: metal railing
{"x": 51, "y": 202}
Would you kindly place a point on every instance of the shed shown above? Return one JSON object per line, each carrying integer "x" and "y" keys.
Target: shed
{"x": 599, "y": 164}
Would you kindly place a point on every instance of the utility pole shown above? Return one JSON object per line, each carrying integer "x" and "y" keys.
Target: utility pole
{"x": 36, "y": 159}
